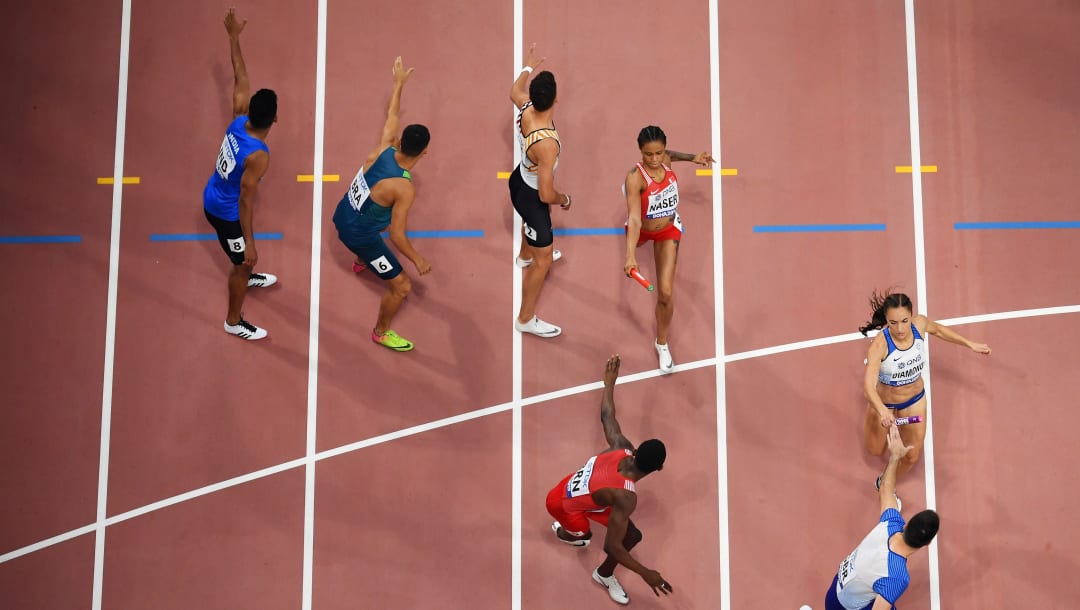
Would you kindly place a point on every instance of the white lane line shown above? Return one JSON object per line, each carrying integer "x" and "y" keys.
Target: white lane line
{"x": 718, "y": 313}
{"x": 516, "y": 373}
{"x": 499, "y": 408}
{"x": 313, "y": 329}
{"x": 110, "y": 308}
{"x": 920, "y": 281}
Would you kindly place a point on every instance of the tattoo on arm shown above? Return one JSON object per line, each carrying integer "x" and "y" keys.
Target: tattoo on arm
{"x": 680, "y": 156}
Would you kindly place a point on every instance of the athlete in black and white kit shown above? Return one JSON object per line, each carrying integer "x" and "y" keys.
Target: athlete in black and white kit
{"x": 532, "y": 188}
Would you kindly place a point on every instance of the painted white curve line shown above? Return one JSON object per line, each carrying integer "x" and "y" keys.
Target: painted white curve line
{"x": 499, "y": 408}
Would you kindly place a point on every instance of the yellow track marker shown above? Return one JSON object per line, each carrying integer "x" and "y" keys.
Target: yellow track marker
{"x": 723, "y": 172}
{"x": 503, "y": 175}
{"x": 907, "y": 169}
{"x": 124, "y": 180}
{"x": 325, "y": 178}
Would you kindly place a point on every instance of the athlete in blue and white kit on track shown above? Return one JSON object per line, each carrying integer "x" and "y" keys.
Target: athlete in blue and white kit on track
{"x": 381, "y": 196}
{"x": 875, "y": 574}
{"x": 229, "y": 196}
{"x": 895, "y": 362}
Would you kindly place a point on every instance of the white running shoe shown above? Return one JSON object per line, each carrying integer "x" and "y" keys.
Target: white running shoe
{"x": 261, "y": 280}
{"x": 538, "y": 327}
{"x": 555, "y": 525}
{"x": 525, "y": 262}
{"x": 246, "y": 330}
{"x": 613, "y": 587}
{"x": 667, "y": 365}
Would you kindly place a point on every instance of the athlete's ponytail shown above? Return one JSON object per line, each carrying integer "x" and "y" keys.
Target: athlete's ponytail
{"x": 880, "y": 302}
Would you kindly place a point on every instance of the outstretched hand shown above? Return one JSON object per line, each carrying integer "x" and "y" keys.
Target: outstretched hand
{"x": 897, "y": 449}
{"x": 232, "y": 25}
{"x": 531, "y": 59}
{"x": 400, "y": 73}
{"x": 611, "y": 370}
{"x": 703, "y": 158}
{"x": 980, "y": 348}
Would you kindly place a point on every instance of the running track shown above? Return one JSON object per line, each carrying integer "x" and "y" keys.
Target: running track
{"x": 153, "y": 461}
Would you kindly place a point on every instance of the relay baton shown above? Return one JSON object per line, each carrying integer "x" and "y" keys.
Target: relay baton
{"x": 903, "y": 421}
{"x": 641, "y": 280}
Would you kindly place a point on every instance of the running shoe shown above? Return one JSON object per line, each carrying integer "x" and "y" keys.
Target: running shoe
{"x": 538, "y": 327}
{"x": 613, "y": 587}
{"x": 581, "y": 542}
{"x": 261, "y": 280}
{"x": 525, "y": 262}
{"x": 358, "y": 266}
{"x": 392, "y": 340}
{"x": 667, "y": 365}
{"x": 245, "y": 330}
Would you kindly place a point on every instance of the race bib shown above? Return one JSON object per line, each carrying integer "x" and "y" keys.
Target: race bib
{"x": 529, "y": 231}
{"x": 578, "y": 485}
{"x": 847, "y": 569}
{"x": 382, "y": 265}
{"x": 359, "y": 191}
{"x": 226, "y": 160}
{"x": 236, "y": 245}
{"x": 663, "y": 203}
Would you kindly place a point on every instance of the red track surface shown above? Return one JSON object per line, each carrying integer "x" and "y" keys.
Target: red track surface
{"x": 814, "y": 115}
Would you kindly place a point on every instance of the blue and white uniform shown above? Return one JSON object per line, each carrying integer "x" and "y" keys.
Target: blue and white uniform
{"x": 903, "y": 366}
{"x": 360, "y": 220}
{"x": 221, "y": 197}
{"x": 872, "y": 569}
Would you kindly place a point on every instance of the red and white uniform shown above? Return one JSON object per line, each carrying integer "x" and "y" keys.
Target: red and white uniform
{"x": 660, "y": 200}
{"x": 571, "y": 501}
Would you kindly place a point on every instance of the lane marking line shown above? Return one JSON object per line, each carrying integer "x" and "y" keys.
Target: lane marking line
{"x": 920, "y": 282}
{"x": 110, "y": 307}
{"x": 500, "y": 408}
{"x": 40, "y": 239}
{"x": 1045, "y": 224}
{"x": 123, "y": 180}
{"x": 313, "y": 315}
{"x": 822, "y": 228}
{"x": 208, "y": 236}
{"x": 516, "y": 346}
{"x": 723, "y": 516}
{"x": 925, "y": 169}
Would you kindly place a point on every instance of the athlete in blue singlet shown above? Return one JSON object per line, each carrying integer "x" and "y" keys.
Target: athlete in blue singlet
{"x": 896, "y": 361}
{"x": 875, "y": 574}
{"x": 380, "y": 196}
{"x": 229, "y": 196}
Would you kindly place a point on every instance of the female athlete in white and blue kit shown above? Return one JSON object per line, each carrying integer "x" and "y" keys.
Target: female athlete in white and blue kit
{"x": 893, "y": 383}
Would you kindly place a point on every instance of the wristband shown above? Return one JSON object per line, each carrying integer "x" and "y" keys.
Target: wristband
{"x": 526, "y": 69}
{"x": 567, "y": 204}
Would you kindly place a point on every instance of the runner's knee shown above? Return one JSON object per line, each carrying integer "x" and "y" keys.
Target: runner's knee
{"x": 401, "y": 286}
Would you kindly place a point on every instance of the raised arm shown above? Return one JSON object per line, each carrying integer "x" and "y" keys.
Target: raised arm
{"x": 950, "y": 335}
{"x": 519, "y": 91}
{"x": 897, "y": 450}
{"x": 241, "y": 86}
{"x": 612, "y": 431}
{"x": 702, "y": 158}
{"x": 393, "y": 121}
